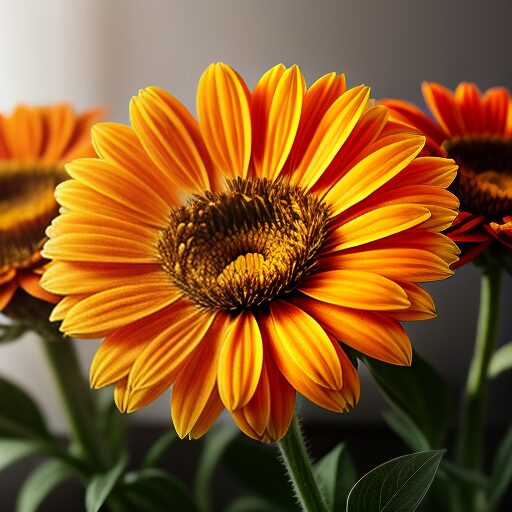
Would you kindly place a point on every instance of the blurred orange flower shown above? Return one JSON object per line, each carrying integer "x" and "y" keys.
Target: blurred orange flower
{"x": 34, "y": 144}
{"x": 229, "y": 256}
{"x": 476, "y": 131}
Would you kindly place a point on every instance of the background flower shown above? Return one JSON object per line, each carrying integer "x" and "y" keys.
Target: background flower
{"x": 227, "y": 256}
{"x": 476, "y": 131}
{"x": 34, "y": 144}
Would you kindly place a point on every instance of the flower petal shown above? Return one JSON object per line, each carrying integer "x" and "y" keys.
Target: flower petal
{"x": 371, "y": 333}
{"x": 355, "y": 289}
{"x": 240, "y": 361}
{"x": 225, "y": 119}
{"x": 276, "y": 105}
{"x": 372, "y": 172}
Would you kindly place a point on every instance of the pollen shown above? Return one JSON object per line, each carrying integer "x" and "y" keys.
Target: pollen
{"x": 484, "y": 183}
{"x": 241, "y": 248}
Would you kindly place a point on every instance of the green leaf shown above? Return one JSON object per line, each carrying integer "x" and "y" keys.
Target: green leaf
{"x": 501, "y": 475}
{"x": 39, "y": 484}
{"x": 501, "y": 361}
{"x": 398, "y": 485}
{"x": 154, "y": 490}
{"x": 252, "y": 504}
{"x": 337, "y": 475}
{"x": 160, "y": 446}
{"x": 257, "y": 466}
{"x": 13, "y": 450}
{"x": 215, "y": 443}
{"x": 20, "y": 416}
{"x": 407, "y": 430}
{"x": 418, "y": 391}
{"x": 101, "y": 486}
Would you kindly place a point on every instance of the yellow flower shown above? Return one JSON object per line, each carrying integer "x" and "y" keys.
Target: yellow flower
{"x": 226, "y": 257}
{"x": 34, "y": 144}
{"x": 476, "y": 131}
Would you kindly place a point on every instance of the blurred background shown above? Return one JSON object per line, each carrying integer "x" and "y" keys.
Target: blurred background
{"x": 100, "y": 52}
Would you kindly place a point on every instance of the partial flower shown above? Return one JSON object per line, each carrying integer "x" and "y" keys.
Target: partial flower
{"x": 228, "y": 257}
{"x": 35, "y": 142}
{"x": 476, "y": 131}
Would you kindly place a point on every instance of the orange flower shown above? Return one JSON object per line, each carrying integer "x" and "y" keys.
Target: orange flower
{"x": 476, "y": 131}
{"x": 228, "y": 256}
{"x": 34, "y": 144}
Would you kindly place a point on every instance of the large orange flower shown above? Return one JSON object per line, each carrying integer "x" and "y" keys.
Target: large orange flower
{"x": 35, "y": 142}
{"x": 229, "y": 256}
{"x": 476, "y": 131}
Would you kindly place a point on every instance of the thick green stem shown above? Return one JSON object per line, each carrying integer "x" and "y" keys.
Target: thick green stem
{"x": 76, "y": 397}
{"x": 300, "y": 470}
{"x": 472, "y": 426}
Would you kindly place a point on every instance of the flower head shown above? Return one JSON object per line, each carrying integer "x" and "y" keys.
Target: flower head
{"x": 228, "y": 257}
{"x": 476, "y": 131}
{"x": 34, "y": 144}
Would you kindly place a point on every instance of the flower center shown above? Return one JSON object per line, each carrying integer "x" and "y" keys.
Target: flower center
{"x": 27, "y": 206}
{"x": 243, "y": 247}
{"x": 484, "y": 182}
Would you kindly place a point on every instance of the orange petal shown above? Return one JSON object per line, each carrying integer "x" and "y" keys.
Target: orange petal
{"x": 60, "y": 124}
{"x": 276, "y": 106}
{"x": 119, "y": 144}
{"x": 422, "y": 306}
{"x": 211, "y": 412}
{"x": 377, "y": 224}
{"x": 225, "y": 119}
{"x": 67, "y": 278}
{"x": 240, "y": 361}
{"x": 170, "y": 136}
{"x": 444, "y": 107}
{"x": 467, "y": 97}
{"x": 110, "y": 309}
{"x": 23, "y": 132}
{"x": 117, "y": 353}
{"x": 496, "y": 109}
{"x": 197, "y": 379}
{"x": 373, "y": 172}
{"x": 163, "y": 357}
{"x": 365, "y": 132}
{"x": 79, "y": 146}
{"x": 30, "y": 282}
{"x": 301, "y": 347}
{"x": 333, "y": 130}
{"x": 7, "y": 291}
{"x": 351, "y": 388}
{"x": 399, "y": 264}
{"x": 371, "y": 333}
{"x": 77, "y": 197}
{"x": 317, "y": 100}
{"x": 428, "y": 170}
{"x": 355, "y": 289}
{"x": 121, "y": 186}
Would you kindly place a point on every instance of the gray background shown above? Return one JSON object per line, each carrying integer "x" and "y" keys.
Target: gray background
{"x": 103, "y": 51}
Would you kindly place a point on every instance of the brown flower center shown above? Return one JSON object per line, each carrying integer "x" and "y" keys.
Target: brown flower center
{"x": 243, "y": 247}
{"x": 27, "y": 206}
{"x": 484, "y": 182}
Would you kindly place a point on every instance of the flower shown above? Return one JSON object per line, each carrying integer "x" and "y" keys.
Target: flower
{"x": 228, "y": 256}
{"x": 476, "y": 131}
{"x": 34, "y": 144}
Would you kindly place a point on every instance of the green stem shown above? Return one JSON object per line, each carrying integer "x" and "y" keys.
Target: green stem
{"x": 472, "y": 426}
{"x": 300, "y": 470}
{"x": 76, "y": 397}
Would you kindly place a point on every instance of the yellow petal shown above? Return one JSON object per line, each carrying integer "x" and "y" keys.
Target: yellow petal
{"x": 355, "y": 289}
{"x": 377, "y": 224}
{"x": 240, "y": 361}
{"x": 372, "y": 172}
{"x": 225, "y": 119}
{"x": 332, "y": 132}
